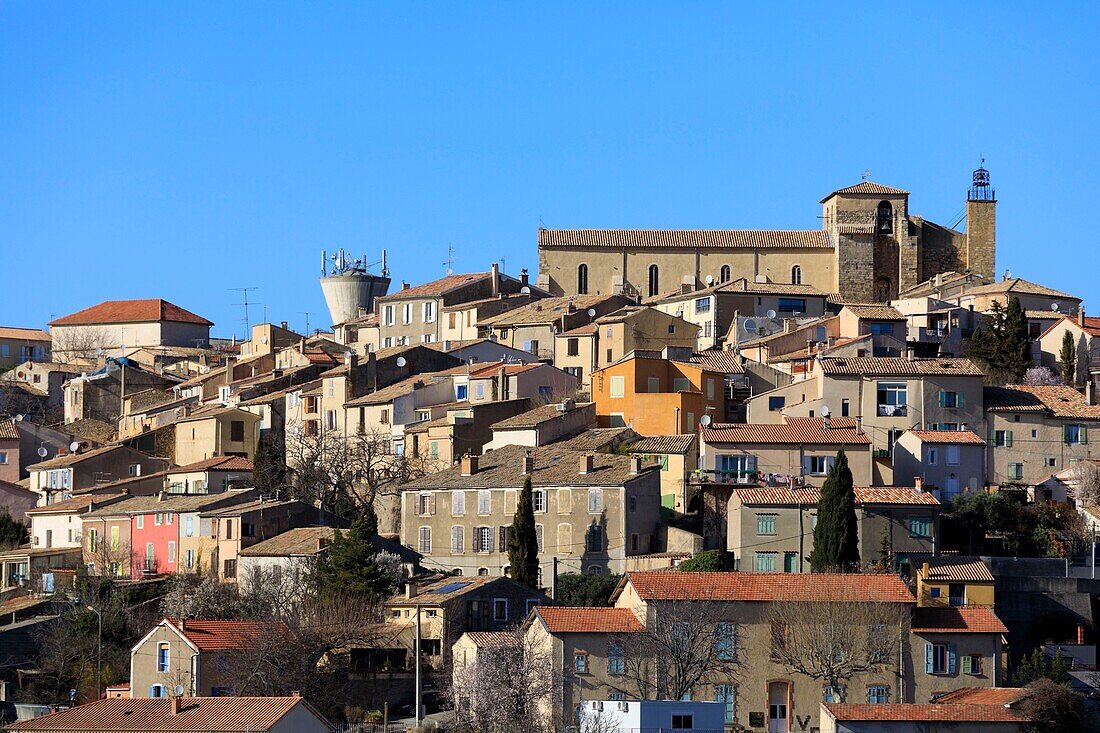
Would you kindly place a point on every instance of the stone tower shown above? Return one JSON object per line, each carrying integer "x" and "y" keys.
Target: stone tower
{"x": 981, "y": 226}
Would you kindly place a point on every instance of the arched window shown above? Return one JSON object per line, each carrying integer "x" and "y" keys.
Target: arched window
{"x": 654, "y": 282}
{"x": 456, "y": 571}
{"x": 884, "y": 223}
{"x": 595, "y": 570}
{"x": 882, "y": 290}
{"x": 724, "y": 274}
{"x": 582, "y": 280}
{"x": 796, "y": 275}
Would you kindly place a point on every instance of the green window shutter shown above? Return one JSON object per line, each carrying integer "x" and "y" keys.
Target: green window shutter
{"x": 1084, "y": 435}
{"x": 1065, "y": 433}
{"x": 951, "y": 667}
{"x": 943, "y": 398}
{"x": 1008, "y": 438}
{"x": 967, "y": 667}
{"x": 959, "y": 401}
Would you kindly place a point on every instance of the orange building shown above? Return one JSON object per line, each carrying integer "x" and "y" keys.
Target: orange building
{"x": 656, "y": 395}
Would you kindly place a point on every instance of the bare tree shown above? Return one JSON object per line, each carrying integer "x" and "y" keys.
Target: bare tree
{"x": 685, "y": 644}
{"x": 507, "y": 688}
{"x": 834, "y": 641}
{"x": 82, "y": 343}
{"x": 1086, "y": 482}
{"x": 1041, "y": 376}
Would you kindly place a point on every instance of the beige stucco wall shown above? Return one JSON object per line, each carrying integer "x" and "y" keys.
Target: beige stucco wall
{"x": 1038, "y": 443}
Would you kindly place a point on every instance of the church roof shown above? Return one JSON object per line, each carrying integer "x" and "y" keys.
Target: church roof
{"x": 685, "y": 238}
{"x": 869, "y": 187}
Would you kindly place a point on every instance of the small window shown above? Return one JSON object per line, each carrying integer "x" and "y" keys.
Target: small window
{"x": 765, "y": 562}
{"x": 920, "y": 526}
{"x": 484, "y": 501}
{"x": 616, "y": 659}
{"x": 724, "y": 274}
{"x": 500, "y": 609}
{"x": 163, "y": 651}
{"x": 796, "y": 275}
{"x": 765, "y": 524}
{"x": 683, "y": 722}
{"x": 878, "y": 695}
{"x": 572, "y": 346}
{"x": 617, "y": 386}
{"x": 702, "y": 305}
{"x": 580, "y": 663}
{"x": 236, "y": 431}
{"x": 425, "y": 540}
{"x": 595, "y": 501}
{"x": 582, "y": 279}
{"x": 776, "y": 404}
{"x": 538, "y": 501}
{"x": 458, "y": 503}
{"x": 654, "y": 280}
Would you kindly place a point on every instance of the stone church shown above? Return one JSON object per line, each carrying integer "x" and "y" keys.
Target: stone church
{"x": 869, "y": 248}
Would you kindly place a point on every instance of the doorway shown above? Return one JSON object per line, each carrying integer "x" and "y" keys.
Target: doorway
{"x": 778, "y": 697}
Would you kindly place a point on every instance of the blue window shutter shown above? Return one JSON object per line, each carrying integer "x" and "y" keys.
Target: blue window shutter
{"x": 1084, "y": 433}
{"x": 928, "y": 659}
{"x": 943, "y": 398}
{"x": 152, "y": 690}
{"x": 959, "y": 401}
{"x": 951, "y": 659}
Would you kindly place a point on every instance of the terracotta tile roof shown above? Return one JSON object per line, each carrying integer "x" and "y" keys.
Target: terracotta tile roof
{"x": 949, "y": 437}
{"x": 493, "y": 639}
{"x": 8, "y": 431}
{"x": 808, "y": 430}
{"x": 983, "y": 695}
{"x": 724, "y": 361}
{"x": 1061, "y": 400}
{"x": 131, "y": 311}
{"x": 739, "y": 586}
{"x": 538, "y": 416}
{"x": 959, "y": 620}
{"x": 684, "y": 238}
{"x": 595, "y": 439}
{"x": 1011, "y": 399}
{"x": 436, "y": 288}
{"x": 124, "y": 714}
{"x": 927, "y": 713}
{"x": 744, "y": 285}
{"x": 297, "y": 541}
{"x": 897, "y": 366}
{"x": 1091, "y": 327}
{"x": 76, "y": 504}
{"x": 588, "y": 620}
{"x": 663, "y": 444}
{"x": 1020, "y": 286}
{"x": 869, "y": 187}
{"x": 217, "y": 463}
{"x": 23, "y": 334}
{"x": 174, "y": 503}
{"x": 491, "y": 370}
{"x": 785, "y": 496}
{"x": 954, "y": 567}
{"x": 220, "y": 636}
{"x": 388, "y": 394}
{"x": 874, "y": 311}
{"x": 548, "y": 310}
{"x": 70, "y": 459}
{"x": 445, "y": 588}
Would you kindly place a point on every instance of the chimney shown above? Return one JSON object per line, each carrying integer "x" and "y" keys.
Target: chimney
{"x": 635, "y": 465}
{"x": 1080, "y": 316}
{"x": 925, "y": 570}
{"x": 322, "y": 543}
{"x": 528, "y": 463}
{"x": 283, "y": 325}
{"x": 587, "y": 462}
{"x": 918, "y": 483}
{"x": 1090, "y": 392}
{"x": 351, "y": 359}
{"x": 523, "y": 278}
{"x": 404, "y": 285}
{"x": 468, "y": 465}
{"x": 161, "y": 496}
{"x": 495, "y": 285}
{"x": 176, "y": 704}
{"x": 411, "y": 589}
{"x": 911, "y": 354}
{"x": 229, "y": 363}
{"x": 1080, "y": 633}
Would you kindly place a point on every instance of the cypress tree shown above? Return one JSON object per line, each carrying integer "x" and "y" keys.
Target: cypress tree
{"x": 836, "y": 536}
{"x": 1017, "y": 342}
{"x": 523, "y": 543}
{"x": 351, "y": 566}
{"x": 1067, "y": 359}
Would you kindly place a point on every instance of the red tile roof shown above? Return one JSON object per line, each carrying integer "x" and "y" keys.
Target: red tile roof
{"x": 939, "y": 713}
{"x": 961, "y": 437}
{"x": 493, "y": 639}
{"x": 217, "y": 463}
{"x": 224, "y": 714}
{"x": 131, "y": 311}
{"x": 23, "y": 334}
{"x": 842, "y": 431}
{"x": 436, "y": 288}
{"x": 684, "y": 238}
{"x": 957, "y": 567}
{"x": 867, "y": 187}
{"x": 588, "y": 620}
{"x": 76, "y": 504}
{"x": 1062, "y": 401}
{"x": 982, "y": 696}
{"x": 785, "y": 496}
{"x": 8, "y": 431}
{"x": 672, "y": 586}
{"x": 215, "y": 636}
{"x": 897, "y": 366}
{"x": 491, "y": 370}
{"x": 960, "y": 620}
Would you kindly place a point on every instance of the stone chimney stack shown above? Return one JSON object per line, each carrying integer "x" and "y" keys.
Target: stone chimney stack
{"x": 176, "y": 702}
{"x": 1081, "y": 317}
{"x": 468, "y": 465}
{"x": 635, "y": 465}
{"x": 495, "y": 285}
{"x": 528, "y": 463}
{"x": 411, "y": 589}
{"x": 587, "y": 463}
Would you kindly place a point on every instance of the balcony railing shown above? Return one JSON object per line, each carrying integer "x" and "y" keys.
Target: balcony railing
{"x": 709, "y": 476}
{"x": 893, "y": 410}
{"x": 929, "y": 335}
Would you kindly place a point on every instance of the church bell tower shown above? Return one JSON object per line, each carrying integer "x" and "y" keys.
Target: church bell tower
{"x": 981, "y": 226}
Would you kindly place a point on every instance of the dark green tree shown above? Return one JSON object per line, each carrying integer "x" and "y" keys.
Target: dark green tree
{"x": 1036, "y": 666}
{"x": 1067, "y": 359}
{"x": 1001, "y": 345}
{"x": 12, "y": 533}
{"x": 352, "y": 566}
{"x": 523, "y": 542}
{"x": 575, "y": 589}
{"x": 836, "y": 537}
{"x": 707, "y": 562}
{"x": 269, "y": 469}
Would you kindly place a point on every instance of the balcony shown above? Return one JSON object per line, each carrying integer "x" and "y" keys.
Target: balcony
{"x": 709, "y": 476}
{"x": 927, "y": 335}
{"x": 893, "y": 410}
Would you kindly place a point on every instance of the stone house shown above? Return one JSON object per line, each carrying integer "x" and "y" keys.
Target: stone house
{"x": 883, "y": 323}
{"x": 228, "y": 431}
{"x": 945, "y": 462}
{"x": 460, "y": 321}
{"x": 678, "y": 457}
{"x": 533, "y": 327}
{"x": 59, "y": 524}
{"x": 543, "y": 424}
{"x": 22, "y": 345}
{"x": 86, "y": 470}
{"x": 952, "y": 581}
{"x": 9, "y": 452}
{"x": 591, "y": 511}
{"x": 464, "y": 429}
{"x": 115, "y": 324}
{"x": 209, "y": 476}
{"x": 99, "y": 395}
{"x": 1085, "y": 333}
{"x": 936, "y": 327}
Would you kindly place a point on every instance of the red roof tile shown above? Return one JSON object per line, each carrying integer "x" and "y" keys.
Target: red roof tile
{"x": 8, "y": 431}
{"x": 118, "y": 714}
{"x": 961, "y": 437}
{"x": 435, "y": 288}
{"x": 958, "y": 568}
{"x": 491, "y": 370}
{"x": 867, "y": 187}
{"x": 959, "y": 620}
{"x": 684, "y": 238}
{"x": 923, "y": 713}
{"x": 588, "y": 620}
{"x": 842, "y": 431}
{"x": 672, "y": 586}
{"x": 785, "y": 496}
{"x": 214, "y": 636}
{"x": 23, "y": 334}
{"x": 982, "y": 696}
{"x": 217, "y": 463}
{"x": 131, "y": 311}
{"x": 1061, "y": 400}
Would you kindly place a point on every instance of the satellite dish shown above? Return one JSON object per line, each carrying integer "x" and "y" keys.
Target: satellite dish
{"x": 525, "y": 290}
{"x": 710, "y": 279}
{"x": 705, "y": 420}
{"x": 771, "y": 314}
{"x": 263, "y": 339}
{"x": 179, "y": 690}
{"x": 401, "y": 361}
{"x": 1054, "y": 307}
{"x": 825, "y": 411}
{"x": 74, "y": 446}
{"x": 19, "y": 418}
{"x": 347, "y": 354}
{"x": 591, "y": 312}
{"x": 42, "y": 452}
{"x": 750, "y": 325}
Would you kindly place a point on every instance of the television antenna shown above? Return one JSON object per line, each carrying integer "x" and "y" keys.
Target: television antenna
{"x": 247, "y": 323}
{"x": 450, "y": 261}
{"x": 866, "y": 176}
{"x": 307, "y": 314}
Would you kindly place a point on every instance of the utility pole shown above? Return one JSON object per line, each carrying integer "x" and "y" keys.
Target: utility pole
{"x": 247, "y": 324}
{"x": 418, "y": 680}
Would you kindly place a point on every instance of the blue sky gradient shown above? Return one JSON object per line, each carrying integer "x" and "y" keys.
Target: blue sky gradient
{"x": 181, "y": 150}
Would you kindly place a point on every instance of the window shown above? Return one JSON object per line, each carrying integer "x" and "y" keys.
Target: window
{"x": 723, "y": 642}
{"x": 236, "y": 431}
{"x": 158, "y": 519}
{"x": 920, "y": 526}
{"x": 538, "y": 537}
{"x": 724, "y": 274}
{"x": 580, "y": 663}
{"x": 140, "y": 521}
{"x": 737, "y": 465}
{"x": 1002, "y": 438}
{"x": 538, "y": 501}
{"x": 933, "y": 456}
{"x": 429, "y": 312}
{"x": 881, "y": 329}
{"x": 595, "y": 501}
{"x": 156, "y": 691}
{"x": 330, "y": 422}
{"x": 1075, "y": 434}
{"x": 790, "y": 562}
{"x": 457, "y": 539}
{"x": 683, "y": 722}
{"x": 950, "y": 399}
{"x": 594, "y": 539}
{"x": 792, "y": 305}
{"x": 387, "y": 315}
{"x": 796, "y": 275}
{"x": 884, "y": 223}
{"x": 171, "y": 552}
{"x": 163, "y": 650}
{"x": 3, "y": 457}
{"x": 618, "y": 386}
{"x": 616, "y": 661}
{"x": 500, "y": 609}
{"x": 484, "y": 501}
{"x": 654, "y": 281}
{"x": 483, "y": 539}
{"x": 832, "y": 694}
{"x": 582, "y": 279}
{"x": 458, "y": 503}
{"x": 425, "y": 540}
{"x": 190, "y": 559}
{"x": 893, "y": 397}
{"x": 406, "y": 313}
{"x": 939, "y": 658}
{"x": 818, "y": 465}
{"x": 878, "y": 695}
{"x": 765, "y": 562}
{"x": 1016, "y": 471}
{"x": 775, "y": 404}
{"x": 93, "y": 540}
{"x": 725, "y": 695}
{"x": 702, "y": 305}
{"x": 972, "y": 664}
{"x": 765, "y": 523}
{"x": 230, "y": 569}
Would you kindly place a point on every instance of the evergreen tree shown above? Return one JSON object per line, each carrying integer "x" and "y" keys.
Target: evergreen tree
{"x": 353, "y": 567}
{"x": 836, "y": 538}
{"x": 885, "y": 563}
{"x": 269, "y": 469}
{"x": 711, "y": 561}
{"x": 12, "y": 533}
{"x": 1001, "y": 344}
{"x": 1067, "y": 359}
{"x": 523, "y": 543}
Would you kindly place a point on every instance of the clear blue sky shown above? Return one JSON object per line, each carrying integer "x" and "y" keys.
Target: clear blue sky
{"x": 178, "y": 150}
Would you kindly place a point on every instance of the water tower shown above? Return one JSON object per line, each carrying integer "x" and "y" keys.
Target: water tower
{"x": 349, "y": 289}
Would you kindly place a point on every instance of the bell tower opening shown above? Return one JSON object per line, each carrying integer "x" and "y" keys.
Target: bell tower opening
{"x": 884, "y": 219}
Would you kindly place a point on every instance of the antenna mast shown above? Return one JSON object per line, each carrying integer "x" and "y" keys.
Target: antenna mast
{"x": 450, "y": 261}
{"x": 247, "y": 323}
{"x": 307, "y": 314}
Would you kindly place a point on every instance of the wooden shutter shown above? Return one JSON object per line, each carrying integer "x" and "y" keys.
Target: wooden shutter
{"x": 929, "y": 659}
{"x": 951, "y": 659}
